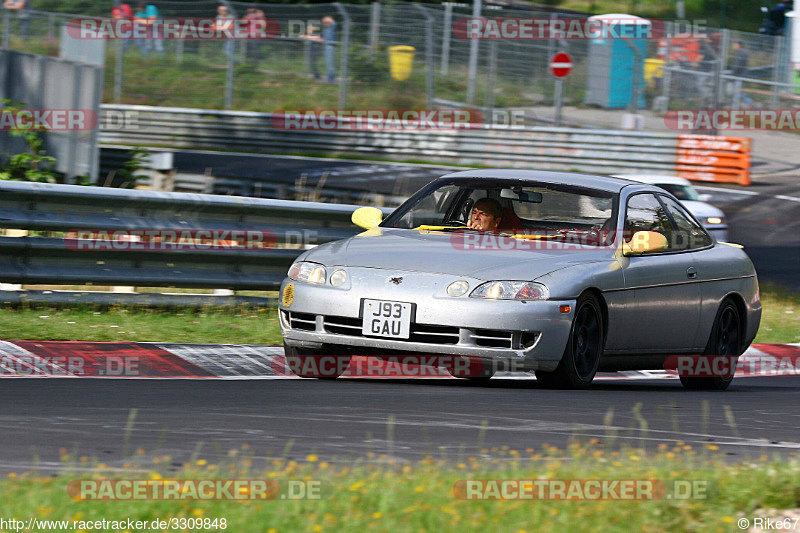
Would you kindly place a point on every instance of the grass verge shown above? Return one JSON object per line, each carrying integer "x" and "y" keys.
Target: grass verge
{"x": 377, "y": 493}
{"x": 780, "y": 323}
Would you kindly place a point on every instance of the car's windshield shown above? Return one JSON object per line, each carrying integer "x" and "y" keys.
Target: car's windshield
{"x": 681, "y": 192}
{"x": 527, "y": 207}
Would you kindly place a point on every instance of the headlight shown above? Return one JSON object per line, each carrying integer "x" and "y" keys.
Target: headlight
{"x": 457, "y": 288}
{"x": 714, "y": 220}
{"x": 338, "y": 278}
{"x": 511, "y": 290}
{"x": 308, "y": 273}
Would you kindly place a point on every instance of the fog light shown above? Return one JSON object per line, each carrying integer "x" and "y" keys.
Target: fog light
{"x": 458, "y": 288}
{"x": 338, "y": 278}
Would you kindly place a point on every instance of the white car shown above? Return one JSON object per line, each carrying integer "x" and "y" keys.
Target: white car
{"x": 712, "y": 218}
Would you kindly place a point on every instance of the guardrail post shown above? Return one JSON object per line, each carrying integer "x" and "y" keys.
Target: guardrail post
{"x": 776, "y": 72}
{"x": 344, "y": 53}
{"x": 374, "y": 28}
{"x": 446, "y": 31}
{"x": 473, "y": 57}
{"x": 429, "y": 72}
{"x": 492, "y": 76}
{"x": 229, "y": 79}
{"x": 118, "y": 66}
{"x": 6, "y": 28}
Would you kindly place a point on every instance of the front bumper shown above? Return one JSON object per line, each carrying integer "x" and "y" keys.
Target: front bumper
{"x": 530, "y": 335}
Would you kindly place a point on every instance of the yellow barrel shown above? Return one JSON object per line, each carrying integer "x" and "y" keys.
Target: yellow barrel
{"x": 652, "y": 69}
{"x": 401, "y": 61}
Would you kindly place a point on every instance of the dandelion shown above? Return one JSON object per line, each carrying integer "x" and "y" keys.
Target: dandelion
{"x": 201, "y": 462}
{"x": 377, "y": 515}
{"x": 312, "y": 458}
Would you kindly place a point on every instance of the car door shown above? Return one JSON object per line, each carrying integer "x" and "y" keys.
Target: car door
{"x": 664, "y": 308}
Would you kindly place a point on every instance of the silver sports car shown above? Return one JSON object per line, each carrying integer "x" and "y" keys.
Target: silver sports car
{"x": 563, "y": 274}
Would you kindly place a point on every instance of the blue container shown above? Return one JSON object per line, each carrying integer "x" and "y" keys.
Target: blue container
{"x": 612, "y": 62}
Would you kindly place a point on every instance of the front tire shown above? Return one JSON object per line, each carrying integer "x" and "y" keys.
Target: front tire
{"x": 319, "y": 364}
{"x": 585, "y": 345}
{"x": 725, "y": 340}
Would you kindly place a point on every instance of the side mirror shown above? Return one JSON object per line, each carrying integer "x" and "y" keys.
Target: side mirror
{"x": 644, "y": 242}
{"x": 367, "y": 217}
{"x": 705, "y": 197}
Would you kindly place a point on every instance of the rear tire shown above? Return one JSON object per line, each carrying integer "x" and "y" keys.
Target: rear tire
{"x": 307, "y": 363}
{"x": 725, "y": 340}
{"x": 585, "y": 344}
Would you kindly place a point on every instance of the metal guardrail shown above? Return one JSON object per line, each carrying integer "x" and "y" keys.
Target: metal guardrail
{"x": 63, "y": 208}
{"x": 587, "y": 150}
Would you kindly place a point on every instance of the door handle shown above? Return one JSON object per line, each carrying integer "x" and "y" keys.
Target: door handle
{"x": 691, "y": 272}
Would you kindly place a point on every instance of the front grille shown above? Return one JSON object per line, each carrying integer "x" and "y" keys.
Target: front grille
{"x": 419, "y": 333}
{"x": 425, "y": 333}
{"x": 493, "y": 338}
{"x": 302, "y": 321}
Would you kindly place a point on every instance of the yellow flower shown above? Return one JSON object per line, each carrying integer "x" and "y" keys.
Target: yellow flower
{"x": 155, "y": 475}
{"x": 634, "y": 457}
{"x": 324, "y": 464}
{"x": 727, "y": 519}
{"x": 201, "y": 462}
{"x": 419, "y": 488}
{"x": 355, "y": 486}
{"x": 316, "y": 528}
{"x": 713, "y": 447}
{"x": 12, "y": 475}
{"x": 198, "y": 512}
{"x": 377, "y": 515}
{"x": 312, "y": 458}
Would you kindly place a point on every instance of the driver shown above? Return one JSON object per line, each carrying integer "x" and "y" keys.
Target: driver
{"x": 486, "y": 215}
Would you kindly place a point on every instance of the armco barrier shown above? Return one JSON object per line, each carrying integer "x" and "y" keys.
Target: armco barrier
{"x": 60, "y": 208}
{"x": 697, "y": 157}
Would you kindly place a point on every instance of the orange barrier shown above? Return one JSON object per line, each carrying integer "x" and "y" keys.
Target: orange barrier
{"x": 714, "y": 158}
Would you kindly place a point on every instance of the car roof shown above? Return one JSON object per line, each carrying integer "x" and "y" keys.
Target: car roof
{"x": 603, "y": 183}
{"x": 655, "y": 178}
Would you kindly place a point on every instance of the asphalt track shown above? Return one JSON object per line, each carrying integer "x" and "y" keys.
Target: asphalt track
{"x": 109, "y": 419}
{"x": 344, "y": 420}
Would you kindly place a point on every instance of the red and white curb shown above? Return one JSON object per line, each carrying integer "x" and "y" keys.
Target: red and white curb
{"x": 237, "y": 361}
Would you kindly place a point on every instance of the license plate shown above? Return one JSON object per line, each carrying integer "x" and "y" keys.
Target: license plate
{"x": 386, "y": 319}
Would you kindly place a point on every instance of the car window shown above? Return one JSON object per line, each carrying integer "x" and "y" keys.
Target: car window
{"x": 563, "y": 206}
{"x": 645, "y": 213}
{"x": 681, "y": 192}
{"x": 689, "y": 235}
{"x": 430, "y": 209}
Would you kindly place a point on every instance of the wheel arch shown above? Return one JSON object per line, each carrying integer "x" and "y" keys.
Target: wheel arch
{"x": 597, "y": 293}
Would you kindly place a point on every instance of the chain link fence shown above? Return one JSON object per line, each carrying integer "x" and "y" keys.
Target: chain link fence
{"x": 351, "y": 68}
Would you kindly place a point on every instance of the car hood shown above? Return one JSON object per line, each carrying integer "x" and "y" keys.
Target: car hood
{"x": 702, "y": 210}
{"x": 444, "y": 253}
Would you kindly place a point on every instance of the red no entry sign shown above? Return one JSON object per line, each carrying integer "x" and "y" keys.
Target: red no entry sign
{"x": 561, "y": 65}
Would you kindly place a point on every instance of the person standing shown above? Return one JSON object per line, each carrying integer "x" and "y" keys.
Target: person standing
{"x": 22, "y": 7}
{"x": 740, "y": 70}
{"x": 225, "y": 23}
{"x": 328, "y": 35}
{"x": 152, "y": 20}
